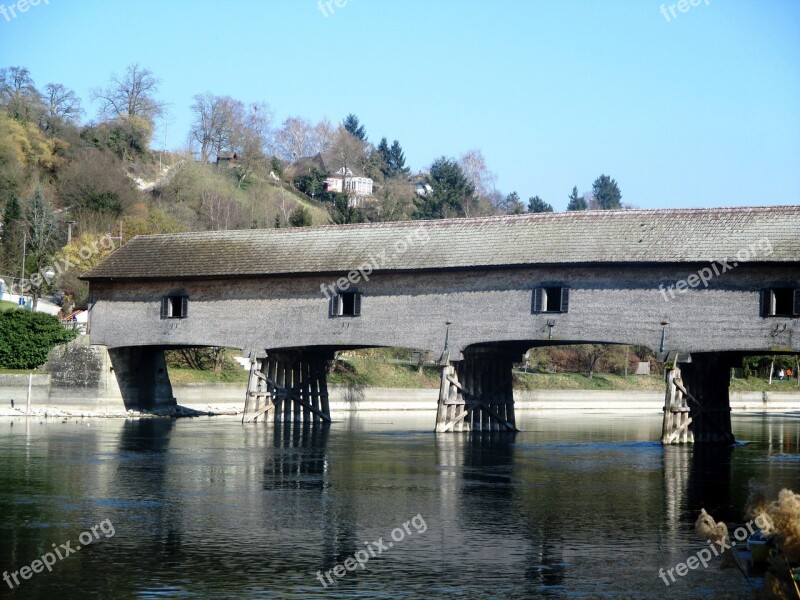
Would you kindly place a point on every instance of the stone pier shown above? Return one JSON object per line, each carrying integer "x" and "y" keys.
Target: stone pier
{"x": 697, "y": 406}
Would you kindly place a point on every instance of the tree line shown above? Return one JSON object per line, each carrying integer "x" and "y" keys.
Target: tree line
{"x": 62, "y": 170}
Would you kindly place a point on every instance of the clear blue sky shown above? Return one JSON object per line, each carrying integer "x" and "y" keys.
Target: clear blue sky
{"x": 700, "y": 109}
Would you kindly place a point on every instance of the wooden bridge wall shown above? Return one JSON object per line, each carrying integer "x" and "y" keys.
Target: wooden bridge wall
{"x": 616, "y": 304}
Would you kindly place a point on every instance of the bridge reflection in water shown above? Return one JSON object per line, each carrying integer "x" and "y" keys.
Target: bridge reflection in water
{"x": 585, "y": 505}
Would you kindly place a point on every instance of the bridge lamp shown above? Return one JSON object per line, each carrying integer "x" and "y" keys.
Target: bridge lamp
{"x": 664, "y": 323}
{"x": 550, "y": 324}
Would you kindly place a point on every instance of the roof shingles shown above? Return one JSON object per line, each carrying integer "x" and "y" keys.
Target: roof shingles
{"x": 632, "y": 236}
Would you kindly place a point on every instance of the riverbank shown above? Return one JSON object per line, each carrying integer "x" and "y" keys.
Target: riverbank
{"x": 211, "y": 399}
{"x": 377, "y": 374}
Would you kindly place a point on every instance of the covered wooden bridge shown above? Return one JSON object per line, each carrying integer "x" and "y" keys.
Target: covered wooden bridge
{"x": 700, "y": 287}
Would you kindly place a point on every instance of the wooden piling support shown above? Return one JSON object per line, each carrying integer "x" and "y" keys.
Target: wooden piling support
{"x": 291, "y": 385}
{"x": 322, "y": 379}
{"x": 696, "y": 404}
{"x": 675, "y": 426}
{"x": 475, "y": 394}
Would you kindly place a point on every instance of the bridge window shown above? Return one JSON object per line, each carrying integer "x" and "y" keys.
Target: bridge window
{"x": 551, "y": 299}
{"x": 346, "y": 304}
{"x": 780, "y": 302}
{"x": 174, "y": 307}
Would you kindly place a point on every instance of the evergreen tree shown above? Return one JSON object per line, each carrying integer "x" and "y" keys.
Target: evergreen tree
{"x": 537, "y": 205}
{"x": 397, "y": 159}
{"x": 12, "y": 235}
{"x": 576, "y": 202}
{"x": 606, "y": 192}
{"x": 343, "y": 211}
{"x": 513, "y": 205}
{"x": 393, "y": 159}
{"x": 276, "y": 166}
{"x": 300, "y": 217}
{"x": 451, "y": 191}
{"x": 312, "y": 183}
{"x": 354, "y": 127}
{"x": 384, "y": 158}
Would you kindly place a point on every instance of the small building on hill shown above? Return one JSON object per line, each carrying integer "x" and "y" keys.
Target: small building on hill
{"x": 346, "y": 181}
{"x": 356, "y": 186}
{"x": 227, "y": 159}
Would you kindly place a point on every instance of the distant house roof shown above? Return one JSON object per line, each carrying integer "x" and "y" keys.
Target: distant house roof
{"x": 303, "y": 166}
{"x": 584, "y": 237}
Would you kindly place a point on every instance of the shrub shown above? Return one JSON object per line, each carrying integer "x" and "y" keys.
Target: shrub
{"x": 26, "y": 337}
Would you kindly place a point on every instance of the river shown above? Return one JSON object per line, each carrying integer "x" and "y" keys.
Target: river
{"x": 374, "y": 506}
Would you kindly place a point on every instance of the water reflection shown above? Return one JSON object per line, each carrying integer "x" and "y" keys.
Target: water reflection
{"x": 586, "y": 506}
{"x": 300, "y": 462}
{"x": 300, "y": 459}
{"x": 479, "y": 487}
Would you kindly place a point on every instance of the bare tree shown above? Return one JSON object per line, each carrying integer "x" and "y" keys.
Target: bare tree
{"x": 16, "y": 80}
{"x": 61, "y": 102}
{"x": 130, "y": 96}
{"x": 205, "y": 124}
{"x": 201, "y": 359}
{"x": 60, "y": 105}
{"x": 223, "y": 124}
{"x": 295, "y": 139}
{"x": 258, "y": 122}
{"x": 346, "y": 153}
{"x": 324, "y": 136}
{"x": 228, "y": 114}
{"x": 18, "y": 94}
{"x": 43, "y": 239}
{"x": 250, "y": 153}
{"x": 222, "y": 213}
{"x": 591, "y": 355}
{"x": 477, "y": 172}
{"x": 217, "y": 122}
{"x": 251, "y": 138}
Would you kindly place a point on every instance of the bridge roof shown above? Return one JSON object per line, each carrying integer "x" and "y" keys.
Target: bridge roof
{"x": 585, "y": 237}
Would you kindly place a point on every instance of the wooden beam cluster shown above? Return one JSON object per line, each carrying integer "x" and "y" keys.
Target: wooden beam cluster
{"x": 675, "y": 428}
{"x": 476, "y": 394}
{"x": 696, "y": 406}
{"x": 291, "y": 385}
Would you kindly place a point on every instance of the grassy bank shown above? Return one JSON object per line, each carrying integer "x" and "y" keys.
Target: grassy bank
{"x": 579, "y": 381}
{"x": 183, "y": 375}
{"x": 372, "y": 373}
{"x": 756, "y": 384}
